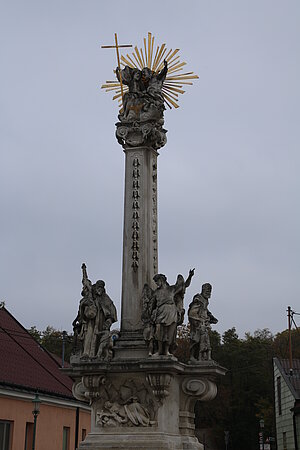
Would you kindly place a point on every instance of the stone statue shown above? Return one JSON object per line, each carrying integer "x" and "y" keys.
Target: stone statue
{"x": 180, "y": 294}
{"x": 105, "y": 348}
{"x": 155, "y": 84}
{"x": 162, "y": 312}
{"x": 137, "y": 413}
{"x": 112, "y": 415}
{"x": 141, "y": 118}
{"x": 94, "y": 318}
{"x": 132, "y": 99}
{"x": 84, "y": 323}
{"x": 106, "y": 310}
{"x": 200, "y": 319}
{"x": 147, "y": 309}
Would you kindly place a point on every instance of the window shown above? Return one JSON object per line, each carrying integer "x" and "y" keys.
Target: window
{"x": 279, "y": 394}
{"x": 5, "y": 434}
{"x": 66, "y": 438}
{"x": 284, "y": 440}
{"x": 28, "y": 435}
{"x": 83, "y": 434}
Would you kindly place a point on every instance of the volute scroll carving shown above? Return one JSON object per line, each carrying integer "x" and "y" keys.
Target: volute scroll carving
{"x": 78, "y": 390}
{"x": 87, "y": 389}
{"x": 199, "y": 389}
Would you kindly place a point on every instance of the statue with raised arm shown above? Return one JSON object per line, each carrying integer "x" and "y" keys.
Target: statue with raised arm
{"x": 180, "y": 294}
{"x": 155, "y": 84}
{"x": 165, "y": 313}
{"x": 200, "y": 319}
{"x": 95, "y": 316}
{"x": 84, "y": 323}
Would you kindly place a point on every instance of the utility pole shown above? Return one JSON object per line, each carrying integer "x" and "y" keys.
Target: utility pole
{"x": 289, "y": 311}
{"x": 64, "y": 334}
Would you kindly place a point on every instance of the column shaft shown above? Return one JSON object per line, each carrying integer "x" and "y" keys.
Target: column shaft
{"x": 140, "y": 232}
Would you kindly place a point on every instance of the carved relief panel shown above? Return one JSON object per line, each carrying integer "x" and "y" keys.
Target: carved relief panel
{"x": 125, "y": 403}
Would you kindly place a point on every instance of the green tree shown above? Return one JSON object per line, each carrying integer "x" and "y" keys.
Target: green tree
{"x": 35, "y": 333}
{"x": 245, "y": 393}
{"x": 281, "y": 344}
{"x": 52, "y": 340}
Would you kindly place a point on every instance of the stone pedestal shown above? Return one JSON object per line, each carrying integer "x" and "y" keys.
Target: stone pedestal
{"x": 145, "y": 404}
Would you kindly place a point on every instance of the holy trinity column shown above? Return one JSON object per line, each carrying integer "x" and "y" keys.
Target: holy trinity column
{"x": 140, "y": 395}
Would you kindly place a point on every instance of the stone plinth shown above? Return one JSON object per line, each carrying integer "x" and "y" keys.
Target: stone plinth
{"x": 145, "y": 404}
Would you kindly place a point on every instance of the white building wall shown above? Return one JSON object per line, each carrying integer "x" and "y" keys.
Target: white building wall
{"x": 298, "y": 428}
{"x": 284, "y": 421}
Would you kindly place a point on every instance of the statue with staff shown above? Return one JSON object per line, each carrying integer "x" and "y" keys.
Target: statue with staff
{"x": 95, "y": 316}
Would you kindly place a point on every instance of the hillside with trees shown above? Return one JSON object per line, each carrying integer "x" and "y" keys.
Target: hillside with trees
{"x": 245, "y": 394}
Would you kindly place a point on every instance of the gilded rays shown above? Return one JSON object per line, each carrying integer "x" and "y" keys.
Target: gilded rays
{"x": 148, "y": 56}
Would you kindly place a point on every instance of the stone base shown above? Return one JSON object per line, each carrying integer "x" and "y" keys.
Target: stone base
{"x": 145, "y": 441}
{"x": 130, "y": 346}
{"x": 145, "y": 403}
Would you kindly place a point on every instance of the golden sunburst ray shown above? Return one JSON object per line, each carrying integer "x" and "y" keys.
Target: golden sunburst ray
{"x": 154, "y": 60}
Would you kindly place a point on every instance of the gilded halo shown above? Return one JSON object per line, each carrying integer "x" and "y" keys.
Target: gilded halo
{"x": 146, "y": 57}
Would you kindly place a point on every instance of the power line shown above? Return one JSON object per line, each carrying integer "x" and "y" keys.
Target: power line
{"x": 27, "y": 335}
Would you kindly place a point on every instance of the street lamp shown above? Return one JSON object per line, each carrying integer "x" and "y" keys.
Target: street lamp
{"x": 262, "y": 426}
{"x": 226, "y": 438}
{"x": 36, "y": 410}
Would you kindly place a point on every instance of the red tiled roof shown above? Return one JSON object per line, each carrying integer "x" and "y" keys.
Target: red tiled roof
{"x": 24, "y": 363}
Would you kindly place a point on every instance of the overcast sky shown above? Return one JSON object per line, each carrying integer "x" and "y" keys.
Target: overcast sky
{"x": 228, "y": 176}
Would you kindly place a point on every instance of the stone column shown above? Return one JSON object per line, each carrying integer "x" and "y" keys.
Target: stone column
{"x": 140, "y": 232}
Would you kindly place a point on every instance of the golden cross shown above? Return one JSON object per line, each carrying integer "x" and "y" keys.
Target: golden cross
{"x": 118, "y": 58}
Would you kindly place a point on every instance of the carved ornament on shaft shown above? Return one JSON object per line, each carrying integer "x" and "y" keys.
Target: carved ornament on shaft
{"x": 154, "y": 214}
{"x": 135, "y": 212}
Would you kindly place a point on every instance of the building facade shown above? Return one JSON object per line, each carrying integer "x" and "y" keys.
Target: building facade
{"x": 27, "y": 368}
{"x": 287, "y": 403}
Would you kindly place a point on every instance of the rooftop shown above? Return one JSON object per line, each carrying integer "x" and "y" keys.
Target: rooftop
{"x": 26, "y": 364}
{"x": 293, "y": 378}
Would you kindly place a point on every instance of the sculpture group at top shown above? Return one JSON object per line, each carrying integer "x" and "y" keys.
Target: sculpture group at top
{"x": 141, "y": 119}
{"x": 95, "y": 316}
